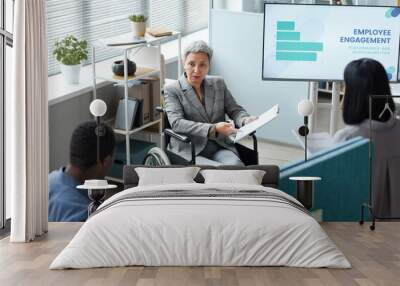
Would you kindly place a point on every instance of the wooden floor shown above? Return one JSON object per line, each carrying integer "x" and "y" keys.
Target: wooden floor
{"x": 374, "y": 255}
{"x": 275, "y": 153}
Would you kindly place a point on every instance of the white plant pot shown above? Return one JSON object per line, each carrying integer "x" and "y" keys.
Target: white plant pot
{"x": 138, "y": 29}
{"x": 71, "y": 73}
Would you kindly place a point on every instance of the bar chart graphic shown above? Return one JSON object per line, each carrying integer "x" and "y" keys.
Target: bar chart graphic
{"x": 289, "y": 47}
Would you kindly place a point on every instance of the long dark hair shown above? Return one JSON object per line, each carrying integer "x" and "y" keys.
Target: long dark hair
{"x": 365, "y": 77}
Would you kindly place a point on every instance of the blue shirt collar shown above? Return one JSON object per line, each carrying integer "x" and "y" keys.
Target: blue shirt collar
{"x": 68, "y": 179}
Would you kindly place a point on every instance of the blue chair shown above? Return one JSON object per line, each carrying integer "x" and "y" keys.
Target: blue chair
{"x": 344, "y": 170}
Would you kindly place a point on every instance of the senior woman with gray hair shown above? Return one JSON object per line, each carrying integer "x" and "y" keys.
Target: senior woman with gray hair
{"x": 196, "y": 106}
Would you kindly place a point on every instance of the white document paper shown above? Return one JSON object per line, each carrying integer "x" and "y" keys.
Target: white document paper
{"x": 254, "y": 125}
{"x": 315, "y": 141}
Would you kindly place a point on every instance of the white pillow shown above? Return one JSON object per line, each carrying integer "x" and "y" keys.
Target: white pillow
{"x": 166, "y": 176}
{"x": 248, "y": 177}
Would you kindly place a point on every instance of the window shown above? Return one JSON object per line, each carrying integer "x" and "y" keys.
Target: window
{"x": 9, "y": 13}
{"x": 95, "y": 19}
{"x": 6, "y": 42}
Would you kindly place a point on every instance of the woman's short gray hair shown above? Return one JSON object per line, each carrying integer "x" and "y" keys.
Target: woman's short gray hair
{"x": 198, "y": 47}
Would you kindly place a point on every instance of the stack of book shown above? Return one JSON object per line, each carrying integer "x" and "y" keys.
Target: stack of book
{"x": 159, "y": 32}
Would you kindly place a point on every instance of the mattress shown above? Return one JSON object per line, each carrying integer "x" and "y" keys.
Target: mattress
{"x": 201, "y": 225}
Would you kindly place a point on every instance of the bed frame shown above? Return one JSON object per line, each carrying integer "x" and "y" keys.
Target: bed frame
{"x": 270, "y": 179}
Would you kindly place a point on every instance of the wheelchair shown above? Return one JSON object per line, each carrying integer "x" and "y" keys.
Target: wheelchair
{"x": 162, "y": 156}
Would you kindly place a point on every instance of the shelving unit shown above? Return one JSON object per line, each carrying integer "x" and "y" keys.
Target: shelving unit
{"x": 325, "y": 90}
{"x": 148, "y": 59}
{"x": 135, "y": 130}
{"x": 326, "y": 94}
{"x": 141, "y": 73}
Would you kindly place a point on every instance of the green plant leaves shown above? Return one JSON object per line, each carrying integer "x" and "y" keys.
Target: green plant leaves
{"x": 138, "y": 18}
{"x": 70, "y": 51}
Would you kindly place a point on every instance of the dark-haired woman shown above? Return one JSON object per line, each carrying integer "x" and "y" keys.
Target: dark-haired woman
{"x": 365, "y": 77}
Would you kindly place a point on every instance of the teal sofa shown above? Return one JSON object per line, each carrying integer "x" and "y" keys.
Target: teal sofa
{"x": 344, "y": 170}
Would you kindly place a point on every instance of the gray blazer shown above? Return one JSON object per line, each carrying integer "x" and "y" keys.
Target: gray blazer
{"x": 386, "y": 168}
{"x": 188, "y": 116}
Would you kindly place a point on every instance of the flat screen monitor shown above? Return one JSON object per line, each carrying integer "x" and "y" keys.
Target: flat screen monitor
{"x": 316, "y": 42}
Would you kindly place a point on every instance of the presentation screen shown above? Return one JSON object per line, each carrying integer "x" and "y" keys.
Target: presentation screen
{"x": 316, "y": 42}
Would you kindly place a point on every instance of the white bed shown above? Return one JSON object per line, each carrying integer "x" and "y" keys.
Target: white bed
{"x": 249, "y": 225}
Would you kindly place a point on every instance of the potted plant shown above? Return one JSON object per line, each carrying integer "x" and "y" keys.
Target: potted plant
{"x": 70, "y": 52}
{"x": 138, "y": 24}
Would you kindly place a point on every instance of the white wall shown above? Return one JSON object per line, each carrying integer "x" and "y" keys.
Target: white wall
{"x": 233, "y": 5}
{"x": 237, "y": 40}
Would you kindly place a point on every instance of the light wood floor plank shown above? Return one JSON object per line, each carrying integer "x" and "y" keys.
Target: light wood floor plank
{"x": 374, "y": 255}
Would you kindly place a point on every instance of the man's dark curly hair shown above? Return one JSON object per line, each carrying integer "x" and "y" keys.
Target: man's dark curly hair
{"x": 83, "y": 145}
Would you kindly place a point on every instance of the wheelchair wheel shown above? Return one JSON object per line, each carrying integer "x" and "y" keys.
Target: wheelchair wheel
{"x": 156, "y": 157}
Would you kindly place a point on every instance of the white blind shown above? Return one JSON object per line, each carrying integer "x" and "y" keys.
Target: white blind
{"x": 185, "y": 16}
{"x": 96, "y": 19}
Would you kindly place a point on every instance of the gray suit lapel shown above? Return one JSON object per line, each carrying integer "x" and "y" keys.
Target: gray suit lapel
{"x": 209, "y": 97}
{"x": 190, "y": 94}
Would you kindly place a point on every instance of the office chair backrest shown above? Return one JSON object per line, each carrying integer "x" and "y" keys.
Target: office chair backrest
{"x": 165, "y": 122}
{"x": 161, "y": 109}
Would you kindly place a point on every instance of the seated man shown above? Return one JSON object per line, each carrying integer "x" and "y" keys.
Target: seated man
{"x": 66, "y": 203}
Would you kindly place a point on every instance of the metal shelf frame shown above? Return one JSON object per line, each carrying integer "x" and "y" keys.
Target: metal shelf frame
{"x": 128, "y": 82}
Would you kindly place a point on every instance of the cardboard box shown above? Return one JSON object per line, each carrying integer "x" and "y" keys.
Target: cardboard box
{"x": 154, "y": 98}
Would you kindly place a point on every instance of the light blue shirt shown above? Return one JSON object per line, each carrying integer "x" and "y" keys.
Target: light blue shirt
{"x": 66, "y": 202}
